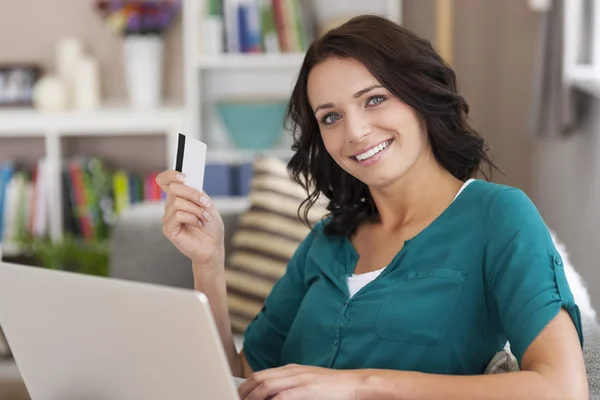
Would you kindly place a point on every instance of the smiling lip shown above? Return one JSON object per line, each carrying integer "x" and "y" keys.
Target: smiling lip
{"x": 369, "y": 148}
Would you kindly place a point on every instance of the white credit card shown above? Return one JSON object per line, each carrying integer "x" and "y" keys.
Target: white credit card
{"x": 191, "y": 160}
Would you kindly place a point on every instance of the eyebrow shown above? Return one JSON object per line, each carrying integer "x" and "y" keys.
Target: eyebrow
{"x": 355, "y": 96}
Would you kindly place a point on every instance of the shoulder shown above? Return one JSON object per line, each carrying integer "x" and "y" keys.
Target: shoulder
{"x": 503, "y": 211}
{"x": 490, "y": 192}
{"x": 500, "y": 201}
{"x": 509, "y": 212}
{"x": 514, "y": 207}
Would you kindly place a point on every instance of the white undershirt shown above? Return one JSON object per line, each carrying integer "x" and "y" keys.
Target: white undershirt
{"x": 357, "y": 282}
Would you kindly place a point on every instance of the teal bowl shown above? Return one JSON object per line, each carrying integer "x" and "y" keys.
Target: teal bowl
{"x": 253, "y": 124}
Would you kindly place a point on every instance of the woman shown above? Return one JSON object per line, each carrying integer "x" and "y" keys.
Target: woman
{"x": 420, "y": 273}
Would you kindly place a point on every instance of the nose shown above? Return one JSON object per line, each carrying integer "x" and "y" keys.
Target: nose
{"x": 357, "y": 127}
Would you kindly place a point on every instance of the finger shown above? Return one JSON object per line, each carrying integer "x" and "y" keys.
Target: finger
{"x": 285, "y": 370}
{"x": 272, "y": 387}
{"x": 297, "y": 393}
{"x": 188, "y": 193}
{"x": 173, "y": 225}
{"x": 181, "y": 204}
{"x": 175, "y": 203}
{"x": 165, "y": 178}
{"x": 258, "y": 378}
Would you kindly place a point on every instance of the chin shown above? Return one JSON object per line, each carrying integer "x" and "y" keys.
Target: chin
{"x": 382, "y": 180}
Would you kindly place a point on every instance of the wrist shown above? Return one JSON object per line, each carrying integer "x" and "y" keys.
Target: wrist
{"x": 367, "y": 382}
{"x": 208, "y": 269}
{"x": 380, "y": 384}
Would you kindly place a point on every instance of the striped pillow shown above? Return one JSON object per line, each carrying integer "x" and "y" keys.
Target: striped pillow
{"x": 267, "y": 236}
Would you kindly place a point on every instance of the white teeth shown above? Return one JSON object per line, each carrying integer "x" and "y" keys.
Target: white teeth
{"x": 373, "y": 151}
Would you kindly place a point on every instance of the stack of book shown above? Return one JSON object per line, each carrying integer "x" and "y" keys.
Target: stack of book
{"x": 23, "y": 201}
{"x": 266, "y": 26}
{"x": 93, "y": 197}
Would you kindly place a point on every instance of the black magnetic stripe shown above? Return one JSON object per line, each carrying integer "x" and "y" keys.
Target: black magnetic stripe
{"x": 180, "y": 151}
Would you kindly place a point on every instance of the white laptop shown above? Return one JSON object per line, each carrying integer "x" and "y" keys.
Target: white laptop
{"x": 79, "y": 337}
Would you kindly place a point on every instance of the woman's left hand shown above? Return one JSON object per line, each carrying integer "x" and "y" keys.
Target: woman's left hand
{"x": 298, "y": 382}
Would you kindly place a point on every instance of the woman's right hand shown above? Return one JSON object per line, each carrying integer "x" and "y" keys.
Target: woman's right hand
{"x": 191, "y": 222}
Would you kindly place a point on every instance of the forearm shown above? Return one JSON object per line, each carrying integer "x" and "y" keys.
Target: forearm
{"x": 210, "y": 280}
{"x": 526, "y": 385}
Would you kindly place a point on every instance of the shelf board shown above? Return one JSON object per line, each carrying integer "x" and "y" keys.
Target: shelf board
{"x": 29, "y": 122}
{"x": 243, "y": 156}
{"x": 590, "y": 86}
{"x": 10, "y": 250}
{"x": 250, "y": 61}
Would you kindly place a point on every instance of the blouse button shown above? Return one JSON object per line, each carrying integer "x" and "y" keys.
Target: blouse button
{"x": 558, "y": 261}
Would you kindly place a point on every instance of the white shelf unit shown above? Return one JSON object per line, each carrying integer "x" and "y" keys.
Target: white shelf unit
{"x": 582, "y": 45}
{"x": 207, "y": 78}
{"x": 213, "y": 77}
{"x": 53, "y": 128}
{"x": 249, "y": 61}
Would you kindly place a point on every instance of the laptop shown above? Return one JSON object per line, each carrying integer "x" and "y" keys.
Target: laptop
{"x": 77, "y": 336}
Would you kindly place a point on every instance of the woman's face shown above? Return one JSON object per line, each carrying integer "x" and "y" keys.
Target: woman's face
{"x": 371, "y": 134}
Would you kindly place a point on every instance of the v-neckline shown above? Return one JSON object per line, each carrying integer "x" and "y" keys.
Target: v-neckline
{"x": 350, "y": 267}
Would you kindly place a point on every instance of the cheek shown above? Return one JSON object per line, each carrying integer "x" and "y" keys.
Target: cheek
{"x": 334, "y": 143}
{"x": 413, "y": 132}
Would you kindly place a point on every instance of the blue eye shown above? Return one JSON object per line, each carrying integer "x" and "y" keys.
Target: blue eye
{"x": 374, "y": 100}
{"x": 330, "y": 118}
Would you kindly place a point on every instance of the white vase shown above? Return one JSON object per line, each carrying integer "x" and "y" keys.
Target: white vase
{"x": 86, "y": 91}
{"x": 143, "y": 56}
{"x": 68, "y": 52}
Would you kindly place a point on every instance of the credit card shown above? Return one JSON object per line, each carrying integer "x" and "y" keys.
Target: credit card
{"x": 191, "y": 160}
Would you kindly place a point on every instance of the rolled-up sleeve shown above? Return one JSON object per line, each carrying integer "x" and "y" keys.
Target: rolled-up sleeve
{"x": 524, "y": 272}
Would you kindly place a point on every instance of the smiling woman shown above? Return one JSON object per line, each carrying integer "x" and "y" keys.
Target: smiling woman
{"x": 390, "y": 81}
{"x": 421, "y": 273}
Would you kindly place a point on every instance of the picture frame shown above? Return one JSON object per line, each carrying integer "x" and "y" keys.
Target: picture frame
{"x": 16, "y": 84}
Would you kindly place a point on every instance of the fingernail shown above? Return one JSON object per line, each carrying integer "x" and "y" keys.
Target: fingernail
{"x": 204, "y": 200}
{"x": 181, "y": 177}
{"x": 207, "y": 216}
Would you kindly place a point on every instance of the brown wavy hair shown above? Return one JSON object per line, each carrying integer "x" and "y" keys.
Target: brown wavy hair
{"x": 411, "y": 69}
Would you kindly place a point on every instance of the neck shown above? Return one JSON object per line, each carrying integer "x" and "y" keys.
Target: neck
{"x": 422, "y": 194}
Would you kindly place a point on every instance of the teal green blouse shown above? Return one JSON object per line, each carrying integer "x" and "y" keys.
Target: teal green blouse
{"x": 483, "y": 273}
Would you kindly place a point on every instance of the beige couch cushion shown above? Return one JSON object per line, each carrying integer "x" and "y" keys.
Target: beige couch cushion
{"x": 267, "y": 236}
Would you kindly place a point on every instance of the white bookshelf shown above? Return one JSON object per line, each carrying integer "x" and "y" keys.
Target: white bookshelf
{"x": 250, "y": 61}
{"x": 109, "y": 121}
{"x": 213, "y": 77}
{"x": 207, "y": 79}
{"x": 581, "y": 54}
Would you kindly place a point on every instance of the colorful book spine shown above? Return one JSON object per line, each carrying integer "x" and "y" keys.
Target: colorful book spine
{"x": 268, "y": 26}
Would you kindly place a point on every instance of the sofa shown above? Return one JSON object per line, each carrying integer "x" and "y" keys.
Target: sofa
{"x": 140, "y": 252}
